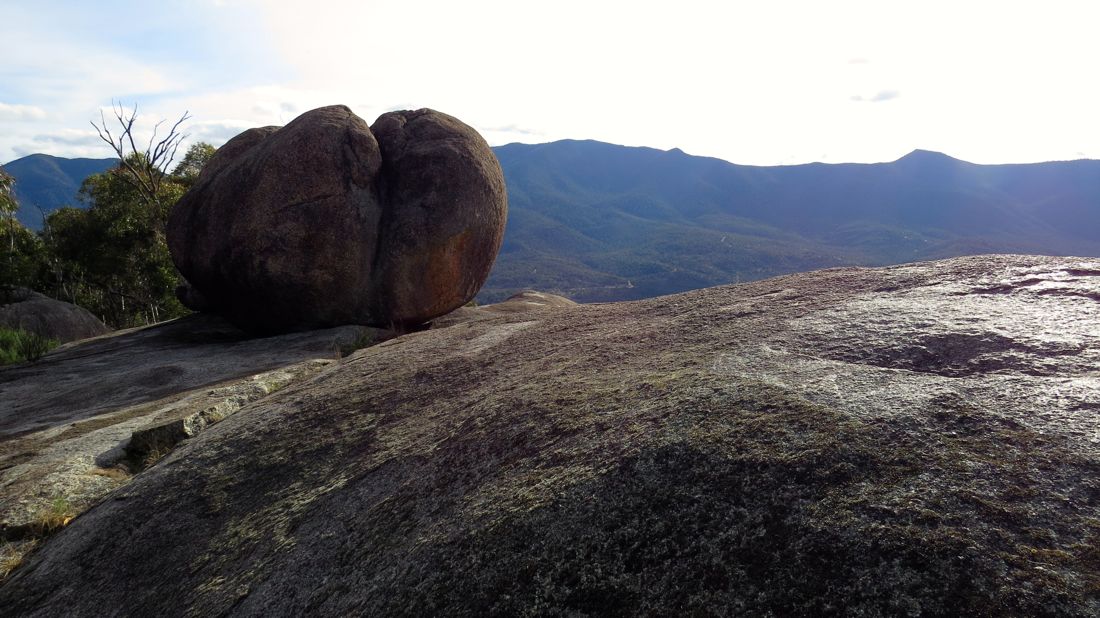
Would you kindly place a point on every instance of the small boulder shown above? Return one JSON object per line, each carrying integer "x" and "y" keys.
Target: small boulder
{"x": 327, "y": 221}
{"x": 522, "y": 302}
{"x": 530, "y": 299}
{"x": 21, "y": 308}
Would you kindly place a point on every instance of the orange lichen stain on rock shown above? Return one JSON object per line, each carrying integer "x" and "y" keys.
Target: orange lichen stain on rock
{"x": 444, "y": 279}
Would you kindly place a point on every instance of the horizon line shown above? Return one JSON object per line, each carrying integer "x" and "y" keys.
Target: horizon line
{"x": 911, "y": 153}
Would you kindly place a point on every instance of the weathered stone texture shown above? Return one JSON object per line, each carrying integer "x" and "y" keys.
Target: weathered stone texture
{"x": 327, "y": 221}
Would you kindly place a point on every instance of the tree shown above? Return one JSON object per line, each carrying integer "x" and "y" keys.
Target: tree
{"x": 196, "y": 158}
{"x": 112, "y": 257}
{"x": 8, "y": 205}
{"x": 145, "y": 170}
{"x": 22, "y": 256}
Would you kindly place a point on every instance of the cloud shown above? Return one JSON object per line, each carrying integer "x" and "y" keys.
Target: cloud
{"x": 69, "y": 137}
{"x": 61, "y": 143}
{"x": 878, "y": 97}
{"x": 217, "y": 132}
{"x": 21, "y": 112}
{"x": 513, "y": 128}
{"x": 29, "y": 146}
{"x": 285, "y": 111}
{"x": 20, "y": 151}
{"x": 243, "y": 63}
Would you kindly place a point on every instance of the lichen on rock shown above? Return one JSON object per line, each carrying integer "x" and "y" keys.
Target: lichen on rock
{"x": 783, "y": 447}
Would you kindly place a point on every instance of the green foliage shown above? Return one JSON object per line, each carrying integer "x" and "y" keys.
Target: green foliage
{"x": 33, "y": 346}
{"x": 187, "y": 172}
{"x": 53, "y": 518}
{"x": 17, "y": 346}
{"x": 364, "y": 339}
{"x": 8, "y": 206}
{"x": 145, "y": 171}
{"x": 112, "y": 257}
{"x": 9, "y": 344}
{"x": 21, "y": 252}
{"x": 22, "y": 255}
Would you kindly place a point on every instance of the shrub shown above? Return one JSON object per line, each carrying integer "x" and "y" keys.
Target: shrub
{"x": 18, "y": 345}
{"x": 53, "y": 518}
{"x": 33, "y": 346}
{"x": 366, "y": 338}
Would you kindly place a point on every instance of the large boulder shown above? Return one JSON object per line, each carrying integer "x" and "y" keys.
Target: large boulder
{"x": 327, "y": 221}
{"x": 54, "y": 319}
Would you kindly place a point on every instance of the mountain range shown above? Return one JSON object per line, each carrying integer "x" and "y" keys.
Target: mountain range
{"x": 600, "y": 222}
{"x": 44, "y": 183}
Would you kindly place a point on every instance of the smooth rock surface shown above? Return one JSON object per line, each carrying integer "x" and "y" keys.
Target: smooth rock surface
{"x": 67, "y": 421}
{"x": 913, "y": 440}
{"x": 327, "y": 221}
{"x": 80, "y": 462}
{"x": 50, "y": 318}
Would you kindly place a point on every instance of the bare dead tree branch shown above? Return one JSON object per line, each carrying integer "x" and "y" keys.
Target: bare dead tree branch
{"x": 142, "y": 169}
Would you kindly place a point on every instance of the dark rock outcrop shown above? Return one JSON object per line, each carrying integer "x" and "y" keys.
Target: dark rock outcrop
{"x": 327, "y": 221}
{"x": 48, "y": 317}
{"x": 915, "y": 440}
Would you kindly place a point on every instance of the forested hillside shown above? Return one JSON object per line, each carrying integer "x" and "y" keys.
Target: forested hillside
{"x": 595, "y": 221}
{"x": 599, "y": 222}
{"x": 44, "y": 183}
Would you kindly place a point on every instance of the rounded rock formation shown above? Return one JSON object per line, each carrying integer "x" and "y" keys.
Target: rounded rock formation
{"x": 327, "y": 221}
{"x": 27, "y": 310}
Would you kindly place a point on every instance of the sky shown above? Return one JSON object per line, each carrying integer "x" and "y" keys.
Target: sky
{"x": 763, "y": 82}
